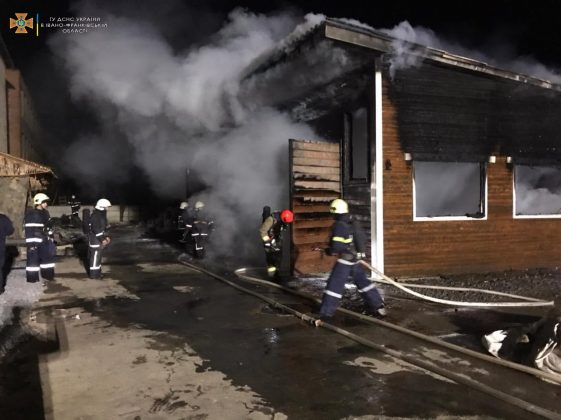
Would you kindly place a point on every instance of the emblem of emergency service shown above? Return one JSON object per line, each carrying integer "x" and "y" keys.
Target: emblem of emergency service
{"x": 21, "y": 23}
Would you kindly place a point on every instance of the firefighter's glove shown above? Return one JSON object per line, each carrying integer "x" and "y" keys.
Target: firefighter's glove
{"x": 360, "y": 256}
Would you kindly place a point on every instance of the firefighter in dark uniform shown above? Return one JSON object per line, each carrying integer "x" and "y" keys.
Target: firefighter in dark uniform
{"x": 41, "y": 249}
{"x": 97, "y": 237}
{"x": 74, "y": 210}
{"x": 271, "y": 232}
{"x": 347, "y": 242}
{"x": 185, "y": 220}
{"x": 198, "y": 227}
{"x": 6, "y": 229}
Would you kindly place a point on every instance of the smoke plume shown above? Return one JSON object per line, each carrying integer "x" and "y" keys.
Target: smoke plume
{"x": 408, "y": 52}
{"x": 173, "y": 109}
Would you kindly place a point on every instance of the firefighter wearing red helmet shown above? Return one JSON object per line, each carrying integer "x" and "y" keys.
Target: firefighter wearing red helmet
{"x": 271, "y": 231}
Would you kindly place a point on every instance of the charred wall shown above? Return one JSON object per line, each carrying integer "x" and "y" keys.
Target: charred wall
{"x": 443, "y": 114}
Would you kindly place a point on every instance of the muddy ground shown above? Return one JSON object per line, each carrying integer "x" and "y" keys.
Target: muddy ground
{"x": 157, "y": 340}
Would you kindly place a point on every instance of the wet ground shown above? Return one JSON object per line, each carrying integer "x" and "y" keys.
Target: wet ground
{"x": 155, "y": 339}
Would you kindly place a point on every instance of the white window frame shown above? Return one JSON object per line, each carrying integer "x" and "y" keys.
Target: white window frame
{"x": 526, "y": 216}
{"x": 450, "y": 218}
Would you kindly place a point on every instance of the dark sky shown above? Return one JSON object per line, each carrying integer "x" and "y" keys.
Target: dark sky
{"x": 524, "y": 28}
{"x": 527, "y": 27}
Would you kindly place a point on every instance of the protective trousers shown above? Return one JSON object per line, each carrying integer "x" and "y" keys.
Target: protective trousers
{"x": 94, "y": 259}
{"x": 336, "y": 284}
{"x": 273, "y": 262}
{"x": 40, "y": 258}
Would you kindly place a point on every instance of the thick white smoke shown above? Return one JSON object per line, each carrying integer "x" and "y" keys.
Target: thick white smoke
{"x": 406, "y": 52}
{"x": 177, "y": 110}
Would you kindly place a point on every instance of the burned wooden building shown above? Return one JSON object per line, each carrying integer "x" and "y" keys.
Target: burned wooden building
{"x": 452, "y": 165}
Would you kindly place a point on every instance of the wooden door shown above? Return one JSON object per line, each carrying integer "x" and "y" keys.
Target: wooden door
{"x": 315, "y": 174}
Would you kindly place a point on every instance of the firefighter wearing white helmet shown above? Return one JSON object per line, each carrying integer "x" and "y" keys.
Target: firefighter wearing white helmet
{"x": 98, "y": 238}
{"x": 198, "y": 228}
{"x": 185, "y": 220}
{"x": 40, "y": 198}
{"x": 347, "y": 242}
{"x": 41, "y": 249}
{"x": 102, "y": 204}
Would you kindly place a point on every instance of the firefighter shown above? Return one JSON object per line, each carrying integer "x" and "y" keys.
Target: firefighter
{"x": 271, "y": 232}
{"x": 41, "y": 249}
{"x": 347, "y": 242}
{"x": 6, "y": 229}
{"x": 185, "y": 220}
{"x": 74, "y": 210}
{"x": 97, "y": 237}
{"x": 199, "y": 227}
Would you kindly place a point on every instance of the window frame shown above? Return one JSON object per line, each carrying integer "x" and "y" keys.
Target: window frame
{"x": 483, "y": 168}
{"x": 528, "y": 216}
{"x": 347, "y": 146}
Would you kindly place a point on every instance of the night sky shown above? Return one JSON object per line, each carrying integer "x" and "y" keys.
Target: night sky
{"x": 520, "y": 28}
{"x": 526, "y": 27}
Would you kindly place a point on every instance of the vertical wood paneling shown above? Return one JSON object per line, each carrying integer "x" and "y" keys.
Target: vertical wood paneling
{"x": 315, "y": 181}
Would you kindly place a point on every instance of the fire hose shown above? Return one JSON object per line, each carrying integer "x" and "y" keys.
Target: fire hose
{"x": 528, "y": 301}
{"x": 525, "y": 405}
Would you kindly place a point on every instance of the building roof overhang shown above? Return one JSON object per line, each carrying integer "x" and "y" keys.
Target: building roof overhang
{"x": 15, "y": 166}
{"x": 362, "y": 36}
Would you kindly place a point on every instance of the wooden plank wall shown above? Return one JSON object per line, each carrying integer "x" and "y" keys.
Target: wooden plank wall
{"x": 431, "y": 247}
{"x": 315, "y": 181}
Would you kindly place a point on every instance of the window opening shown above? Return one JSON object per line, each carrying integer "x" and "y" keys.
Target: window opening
{"x": 449, "y": 190}
{"x": 359, "y": 144}
{"x": 537, "y": 191}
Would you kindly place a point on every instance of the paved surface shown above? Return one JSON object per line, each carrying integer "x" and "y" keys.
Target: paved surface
{"x": 156, "y": 340}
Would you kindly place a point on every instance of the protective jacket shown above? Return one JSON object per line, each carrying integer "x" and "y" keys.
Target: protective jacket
{"x": 201, "y": 224}
{"x": 272, "y": 228}
{"x": 347, "y": 239}
{"x": 74, "y": 207}
{"x": 37, "y": 226}
{"x": 98, "y": 227}
{"x": 187, "y": 218}
{"x": 41, "y": 249}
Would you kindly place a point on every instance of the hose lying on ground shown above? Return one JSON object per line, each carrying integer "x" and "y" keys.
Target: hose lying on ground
{"x": 525, "y": 405}
{"x": 528, "y": 302}
{"x": 242, "y": 273}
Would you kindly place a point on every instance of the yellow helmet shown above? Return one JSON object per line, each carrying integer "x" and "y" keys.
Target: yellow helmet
{"x": 338, "y": 206}
{"x": 40, "y": 198}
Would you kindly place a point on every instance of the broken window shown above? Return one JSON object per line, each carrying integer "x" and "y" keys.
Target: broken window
{"x": 537, "y": 191}
{"x": 357, "y": 151}
{"x": 449, "y": 190}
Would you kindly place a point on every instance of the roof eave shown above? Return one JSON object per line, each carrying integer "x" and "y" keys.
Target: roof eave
{"x": 381, "y": 42}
